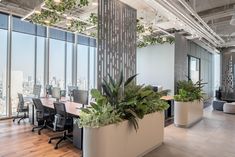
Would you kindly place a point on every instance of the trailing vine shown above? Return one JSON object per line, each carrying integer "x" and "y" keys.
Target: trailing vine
{"x": 65, "y": 5}
{"x": 151, "y": 40}
{"x": 78, "y": 26}
{"x": 93, "y": 19}
{"x": 145, "y": 36}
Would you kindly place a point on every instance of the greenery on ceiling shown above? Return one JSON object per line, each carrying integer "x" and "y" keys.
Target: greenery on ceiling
{"x": 65, "y": 5}
{"x": 46, "y": 18}
{"x": 55, "y": 10}
{"x": 77, "y": 25}
{"x": 145, "y": 36}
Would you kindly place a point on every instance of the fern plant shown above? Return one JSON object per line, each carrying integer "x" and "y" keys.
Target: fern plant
{"x": 189, "y": 91}
{"x": 121, "y": 101}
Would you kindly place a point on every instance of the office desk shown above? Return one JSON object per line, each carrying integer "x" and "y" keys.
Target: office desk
{"x": 72, "y": 108}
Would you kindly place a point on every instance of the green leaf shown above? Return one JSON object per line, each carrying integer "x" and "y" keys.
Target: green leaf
{"x": 130, "y": 79}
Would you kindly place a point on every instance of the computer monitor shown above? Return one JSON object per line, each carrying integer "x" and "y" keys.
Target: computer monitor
{"x": 70, "y": 91}
{"x": 48, "y": 90}
{"x": 81, "y": 96}
{"x": 56, "y": 93}
{"x": 37, "y": 90}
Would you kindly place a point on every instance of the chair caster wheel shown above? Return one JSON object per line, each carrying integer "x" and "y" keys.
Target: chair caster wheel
{"x": 32, "y": 130}
{"x": 13, "y": 120}
{"x": 56, "y": 147}
{"x": 49, "y": 141}
{"x": 39, "y": 133}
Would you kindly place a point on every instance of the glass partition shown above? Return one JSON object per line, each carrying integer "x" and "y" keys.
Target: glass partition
{"x": 3, "y": 63}
{"x": 194, "y": 68}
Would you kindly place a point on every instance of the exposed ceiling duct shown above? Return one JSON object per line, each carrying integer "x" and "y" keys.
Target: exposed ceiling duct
{"x": 232, "y": 22}
{"x": 188, "y": 20}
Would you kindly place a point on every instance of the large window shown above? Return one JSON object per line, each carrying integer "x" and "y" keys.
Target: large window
{"x": 69, "y": 64}
{"x": 22, "y": 68}
{"x": 3, "y": 59}
{"x": 57, "y": 63}
{"x": 92, "y": 67}
{"x": 82, "y": 67}
{"x": 32, "y": 53}
{"x": 40, "y": 62}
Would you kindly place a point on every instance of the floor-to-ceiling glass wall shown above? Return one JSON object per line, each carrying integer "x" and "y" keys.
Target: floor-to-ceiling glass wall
{"x": 22, "y": 67}
{"x": 92, "y": 67}
{"x": 82, "y": 66}
{"x": 57, "y": 59}
{"x": 40, "y": 62}
{"x": 56, "y": 63}
{"x": 69, "y": 64}
{"x": 3, "y": 63}
{"x": 27, "y": 50}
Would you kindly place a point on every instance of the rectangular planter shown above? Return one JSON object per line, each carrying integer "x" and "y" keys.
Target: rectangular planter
{"x": 187, "y": 114}
{"x": 121, "y": 140}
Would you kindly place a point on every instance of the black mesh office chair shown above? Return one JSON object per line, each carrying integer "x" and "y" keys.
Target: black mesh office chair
{"x": 80, "y": 96}
{"x": 42, "y": 116}
{"x": 62, "y": 123}
{"x": 21, "y": 108}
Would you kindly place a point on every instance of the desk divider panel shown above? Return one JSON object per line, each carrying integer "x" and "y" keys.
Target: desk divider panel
{"x": 116, "y": 40}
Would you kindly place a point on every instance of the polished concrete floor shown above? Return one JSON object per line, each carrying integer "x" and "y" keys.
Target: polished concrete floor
{"x": 214, "y": 136}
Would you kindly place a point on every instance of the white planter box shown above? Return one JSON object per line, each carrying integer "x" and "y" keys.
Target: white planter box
{"x": 121, "y": 140}
{"x": 187, "y": 114}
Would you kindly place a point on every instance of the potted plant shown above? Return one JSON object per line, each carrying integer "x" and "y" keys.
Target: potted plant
{"x": 126, "y": 120}
{"x": 188, "y": 107}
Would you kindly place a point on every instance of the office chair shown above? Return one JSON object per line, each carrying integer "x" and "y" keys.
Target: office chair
{"x": 62, "y": 123}
{"x": 21, "y": 108}
{"x": 80, "y": 96}
{"x": 42, "y": 116}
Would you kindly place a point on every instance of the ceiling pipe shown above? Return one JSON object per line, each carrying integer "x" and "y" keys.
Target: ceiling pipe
{"x": 175, "y": 11}
{"x": 200, "y": 19}
{"x": 197, "y": 27}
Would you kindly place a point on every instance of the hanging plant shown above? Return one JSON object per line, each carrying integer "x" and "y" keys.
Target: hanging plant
{"x": 145, "y": 36}
{"x": 151, "y": 40}
{"x": 93, "y": 19}
{"x": 46, "y": 18}
{"x": 78, "y": 26}
{"x": 83, "y": 3}
{"x": 65, "y": 5}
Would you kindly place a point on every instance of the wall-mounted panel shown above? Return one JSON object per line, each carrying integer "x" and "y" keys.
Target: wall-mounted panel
{"x": 116, "y": 40}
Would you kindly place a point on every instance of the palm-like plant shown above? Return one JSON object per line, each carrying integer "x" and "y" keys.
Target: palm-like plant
{"x": 114, "y": 92}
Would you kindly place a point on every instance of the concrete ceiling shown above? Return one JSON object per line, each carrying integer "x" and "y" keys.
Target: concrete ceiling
{"x": 217, "y": 14}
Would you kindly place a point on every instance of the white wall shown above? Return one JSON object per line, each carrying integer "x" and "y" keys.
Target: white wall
{"x": 155, "y": 65}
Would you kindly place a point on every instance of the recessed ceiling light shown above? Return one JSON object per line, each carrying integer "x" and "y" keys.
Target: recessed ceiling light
{"x": 69, "y": 18}
{"x": 47, "y": 21}
{"x": 57, "y": 1}
{"x": 37, "y": 12}
{"x": 95, "y": 3}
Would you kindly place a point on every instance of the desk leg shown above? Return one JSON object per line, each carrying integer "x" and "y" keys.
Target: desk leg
{"x": 31, "y": 114}
{"x": 77, "y": 136}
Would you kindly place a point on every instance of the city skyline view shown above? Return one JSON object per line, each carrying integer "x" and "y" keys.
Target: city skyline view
{"x": 28, "y": 51}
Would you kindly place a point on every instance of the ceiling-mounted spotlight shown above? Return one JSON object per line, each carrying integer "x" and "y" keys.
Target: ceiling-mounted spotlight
{"x": 232, "y": 22}
{"x": 57, "y": 1}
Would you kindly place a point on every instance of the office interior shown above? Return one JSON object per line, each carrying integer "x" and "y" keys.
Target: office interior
{"x": 117, "y": 78}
